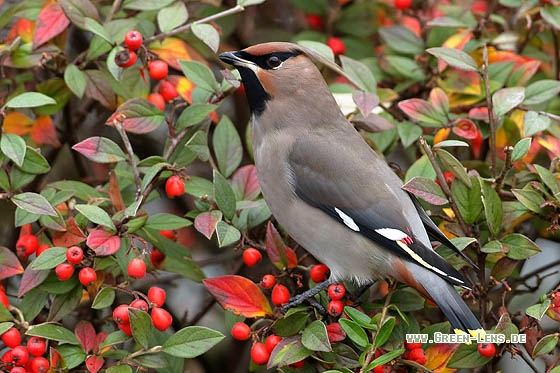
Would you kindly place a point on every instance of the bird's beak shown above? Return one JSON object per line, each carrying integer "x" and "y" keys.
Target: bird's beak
{"x": 234, "y": 58}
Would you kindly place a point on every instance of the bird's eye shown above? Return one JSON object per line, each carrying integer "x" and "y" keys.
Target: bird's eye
{"x": 273, "y": 62}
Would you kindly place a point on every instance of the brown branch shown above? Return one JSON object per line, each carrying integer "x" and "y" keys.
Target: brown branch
{"x": 491, "y": 116}
{"x": 131, "y": 159}
{"x": 114, "y": 9}
{"x": 508, "y": 150}
{"x": 556, "y": 56}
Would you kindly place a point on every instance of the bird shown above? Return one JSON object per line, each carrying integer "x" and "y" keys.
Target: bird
{"x": 330, "y": 191}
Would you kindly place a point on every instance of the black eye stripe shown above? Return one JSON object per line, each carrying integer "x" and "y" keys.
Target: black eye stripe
{"x": 263, "y": 61}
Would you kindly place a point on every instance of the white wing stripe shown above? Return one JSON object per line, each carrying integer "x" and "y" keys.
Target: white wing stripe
{"x": 392, "y": 234}
{"x": 347, "y": 220}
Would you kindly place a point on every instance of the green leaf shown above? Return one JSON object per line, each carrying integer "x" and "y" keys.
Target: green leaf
{"x": 354, "y": 332}
{"x": 50, "y": 258}
{"x": 72, "y": 355}
{"x": 404, "y": 67}
{"x": 290, "y": 350}
{"x": 5, "y": 326}
{"x": 100, "y": 150}
{"x": 194, "y": 114}
{"x": 198, "y": 144}
{"x": 53, "y": 332}
{"x": 467, "y": 356}
{"x": 545, "y": 345}
{"x": 96, "y": 28}
{"x": 492, "y": 207}
{"x": 199, "y": 187}
{"x": 529, "y": 198}
{"x": 422, "y": 167}
{"x": 119, "y": 369}
{"x": 385, "y": 332}
{"x": 65, "y": 303}
{"x": 113, "y": 338}
{"x": 359, "y": 317}
{"x": 408, "y": 132}
{"x": 249, "y": 2}
{"x": 151, "y": 174}
{"x": 493, "y": 246}
{"x": 165, "y": 221}
{"x": 359, "y": 74}
{"x": 534, "y": 123}
{"x": 96, "y": 215}
{"x": 427, "y": 189}
{"x": 33, "y": 203}
{"x": 322, "y": 49}
{"x": 207, "y": 34}
{"x": 290, "y": 324}
{"x": 192, "y": 341}
{"x": 541, "y": 91}
{"x": 453, "y": 165}
{"x": 507, "y": 99}
{"x": 401, "y": 39}
{"x": 450, "y": 143}
{"x": 551, "y": 14}
{"x": 226, "y": 234}
{"x": 468, "y": 200}
{"x": 103, "y": 299}
{"x": 422, "y": 111}
{"x": 141, "y": 325}
{"x": 519, "y": 247}
{"x": 146, "y": 5}
{"x": 30, "y": 99}
{"x": 137, "y": 116}
{"x": 75, "y": 80}
{"x": 537, "y": 311}
{"x": 454, "y": 57}
{"x": 200, "y": 75}
{"x": 172, "y": 16}
{"x": 13, "y": 147}
{"x": 34, "y": 162}
{"x": 227, "y": 146}
{"x": 548, "y": 179}
{"x": 223, "y": 195}
{"x": 520, "y": 149}
{"x": 315, "y": 338}
{"x": 385, "y": 358}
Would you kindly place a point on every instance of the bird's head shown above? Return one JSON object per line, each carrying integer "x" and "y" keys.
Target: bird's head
{"x": 278, "y": 71}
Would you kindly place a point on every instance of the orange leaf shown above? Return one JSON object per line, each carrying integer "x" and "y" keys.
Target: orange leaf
{"x": 441, "y": 135}
{"x": 72, "y": 236}
{"x": 171, "y": 50}
{"x": 22, "y": 28}
{"x": 17, "y": 123}
{"x": 50, "y": 22}
{"x": 438, "y": 356}
{"x": 183, "y": 85}
{"x": 44, "y": 131}
{"x": 238, "y": 294}
{"x": 552, "y": 144}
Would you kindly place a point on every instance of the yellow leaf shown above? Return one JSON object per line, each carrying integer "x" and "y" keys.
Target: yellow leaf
{"x": 171, "y": 50}
{"x": 438, "y": 356}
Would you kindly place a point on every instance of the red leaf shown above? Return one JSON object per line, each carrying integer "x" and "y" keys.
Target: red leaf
{"x": 94, "y": 363}
{"x": 9, "y": 264}
{"x": 238, "y": 294}
{"x": 137, "y": 116}
{"x": 103, "y": 242}
{"x": 422, "y": 111}
{"x": 55, "y": 358}
{"x": 99, "y": 338}
{"x": 245, "y": 183}
{"x": 275, "y": 247}
{"x": 50, "y": 22}
{"x": 427, "y": 189}
{"x": 291, "y": 257}
{"x": 365, "y": 101}
{"x": 206, "y": 222}
{"x": 43, "y": 131}
{"x": 335, "y": 332}
{"x": 465, "y": 128}
{"x": 86, "y": 335}
{"x": 30, "y": 279}
{"x": 439, "y": 99}
{"x": 72, "y": 236}
{"x": 479, "y": 114}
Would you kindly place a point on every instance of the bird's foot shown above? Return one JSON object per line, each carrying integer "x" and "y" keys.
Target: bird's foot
{"x": 307, "y": 295}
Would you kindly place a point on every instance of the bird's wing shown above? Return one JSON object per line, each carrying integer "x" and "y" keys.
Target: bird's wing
{"x": 350, "y": 183}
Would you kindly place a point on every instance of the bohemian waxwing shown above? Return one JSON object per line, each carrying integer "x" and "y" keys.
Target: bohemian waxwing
{"x": 330, "y": 191}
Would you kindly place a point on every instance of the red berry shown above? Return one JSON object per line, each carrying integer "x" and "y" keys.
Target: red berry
{"x": 448, "y": 176}
{"x": 20, "y": 355}
{"x": 314, "y": 21}
{"x": 337, "y": 45}
{"x": 418, "y": 355}
{"x": 240, "y": 331}
{"x": 251, "y": 256}
{"x": 157, "y": 69}
{"x": 382, "y": 369}
{"x": 11, "y": 337}
{"x": 140, "y": 304}
{"x": 336, "y": 291}
{"x": 168, "y": 91}
{"x": 36, "y": 346}
{"x": 156, "y": 295}
{"x": 133, "y": 40}
{"x": 27, "y": 245}
{"x": 319, "y": 273}
{"x": 174, "y": 187}
{"x": 334, "y": 308}
{"x": 156, "y": 257}
{"x": 403, "y": 4}
{"x": 297, "y": 364}
{"x": 4, "y": 298}
{"x": 136, "y": 268}
{"x": 271, "y": 342}
{"x": 42, "y": 247}
{"x": 39, "y": 365}
{"x": 486, "y": 349}
{"x": 161, "y": 318}
{"x": 74, "y": 254}
{"x": 157, "y": 100}
{"x": 280, "y": 295}
{"x": 8, "y": 357}
{"x": 64, "y": 271}
{"x": 412, "y": 345}
{"x": 268, "y": 281}
{"x": 168, "y": 233}
{"x": 120, "y": 315}
{"x": 335, "y": 332}
{"x": 259, "y": 353}
{"x": 87, "y": 276}
{"x": 125, "y": 58}
{"x": 18, "y": 370}
{"x": 126, "y": 329}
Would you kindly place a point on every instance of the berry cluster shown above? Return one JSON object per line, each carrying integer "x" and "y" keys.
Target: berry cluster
{"x": 74, "y": 257}
{"x": 157, "y": 69}
{"x": 161, "y": 319}
{"x": 414, "y": 352}
{"x": 22, "y": 358}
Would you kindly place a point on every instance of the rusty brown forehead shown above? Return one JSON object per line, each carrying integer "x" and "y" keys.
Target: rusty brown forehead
{"x": 267, "y": 48}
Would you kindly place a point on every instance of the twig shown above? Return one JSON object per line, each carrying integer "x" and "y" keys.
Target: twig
{"x": 141, "y": 352}
{"x": 187, "y": 27}
{"x": 491, "y": 116}
{"x": 131, "y": 160}
{"x": 556, "y": 65}
{"x": 444, "y": 186}
{"x": 508, "y": 150}
{"x": 114, "y": 8}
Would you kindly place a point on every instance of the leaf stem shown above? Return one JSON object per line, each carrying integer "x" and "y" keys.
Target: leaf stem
{"x": 141, "y": 352}
{"x": 491, "y": 117}
{"x": 131, "y": 160}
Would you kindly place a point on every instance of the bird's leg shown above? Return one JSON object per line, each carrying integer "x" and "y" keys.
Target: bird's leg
{"x": 306, "y": 295}
{"x": 361, "y": 290}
